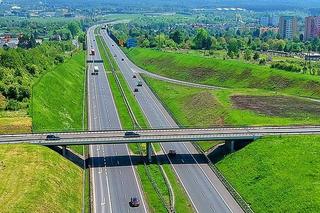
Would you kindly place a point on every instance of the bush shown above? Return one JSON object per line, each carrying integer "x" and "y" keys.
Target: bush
{"x": 287, "y": 66}
{"x": 262, "y": 61}
{"x": 12, "y": 105}
{"x": 59, "y": 59}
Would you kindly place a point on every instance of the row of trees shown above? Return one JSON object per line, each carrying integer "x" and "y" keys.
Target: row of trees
{"x": 161, "y": 33}
{"x": 203, "y": 40}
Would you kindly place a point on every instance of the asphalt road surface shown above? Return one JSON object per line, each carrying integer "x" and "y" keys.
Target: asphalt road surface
{"x": 203, "y": 187}
{"x": 113, "y": 184}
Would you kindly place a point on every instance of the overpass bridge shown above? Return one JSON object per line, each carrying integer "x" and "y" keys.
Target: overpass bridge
{"x": 231, "y": 134}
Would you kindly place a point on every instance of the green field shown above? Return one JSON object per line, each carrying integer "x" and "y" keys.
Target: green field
{"x": 225, "y": 73}
{"x": 57, "y": 101}
{"x": 37, "y": 179}
{"x": 277, "y": 174}
{"x": 12, "y": 122}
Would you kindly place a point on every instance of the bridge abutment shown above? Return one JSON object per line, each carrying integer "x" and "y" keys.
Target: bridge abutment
{"x": 149, "y": 152}
{"x": 64, "y": 151}
{"x": 230, "y": 146}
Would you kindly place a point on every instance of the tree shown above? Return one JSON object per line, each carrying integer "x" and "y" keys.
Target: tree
{"x": 214, "y": 42}
{"x": 160, "y": 39}
{"x": 265, "y": 46}
{"x": 256, "y": 56}
{"x": 145, "y": 43}
{"x": 247, "y": 54}
{"x": 233, "y": 47}
{"x": 177, "y": 36}
{"x": 74, "y": 28}
{"x": 202, "y": 39}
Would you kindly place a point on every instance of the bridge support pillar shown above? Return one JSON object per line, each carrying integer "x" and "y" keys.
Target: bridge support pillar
{"x": 230, "y": 146}
{"x": 64, "y": 151}
{"x": 149, "y": 152}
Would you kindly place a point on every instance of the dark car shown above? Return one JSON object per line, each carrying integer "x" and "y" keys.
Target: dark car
{"x": 131, "y": 135}
{"x": 134, "y": 202}
{"x": 94, "y": 73}
{"x": 112, "y": 45}
{"x": 52, "y": 138}
{"x": 135, "y": 90}
{"x": 139, "y": 84}
{"x": 172, "y": 153}
{"x": 122, "y": 59}
{"x": 134, "y": 76}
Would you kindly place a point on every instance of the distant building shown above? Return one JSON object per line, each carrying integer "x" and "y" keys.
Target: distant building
{"x": 274, "y": 21}
{"x": 131, "y": 42}
{"x": 264, "y": 21}
{"x": 9, "y": 42}
{"x": 55, "y": 37}
{"x": 287, "y": 27}
{"x": 269, "y": 21}
{"x": 312, "y": 27}
{"x": 312, "y": 56}
{"x": 263, "y": 30}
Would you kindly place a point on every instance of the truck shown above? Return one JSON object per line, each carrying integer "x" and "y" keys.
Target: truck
{"x": 95, "y": 70}
{"x": 93, "y": 52}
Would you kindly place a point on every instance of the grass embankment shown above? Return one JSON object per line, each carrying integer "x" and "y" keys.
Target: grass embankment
{"x": 277, "y": 174}
{"x": 36, "y": 179}
{"x": 194, "y": 107}
{"x": 152, "y": 198}
{"x": 225, "y": 73}
{"x": 58, "y": 101}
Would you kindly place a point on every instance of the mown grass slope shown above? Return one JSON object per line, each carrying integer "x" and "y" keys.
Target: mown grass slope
{"x": 36, "y": 179}
{"x": 225, "y": 73}
{"x": 57, "y": 102}
{"x": 194, "y": 107}
{"x": 15, "y": 122}
{"x": 277, "y": 174}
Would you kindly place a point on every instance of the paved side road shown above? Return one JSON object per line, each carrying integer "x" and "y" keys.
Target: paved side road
{"x": 206, "y": 192}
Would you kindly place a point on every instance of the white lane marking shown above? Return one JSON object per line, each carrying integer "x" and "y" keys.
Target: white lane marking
{"x": 131, "y": 164}
{"x": 161, "y": 110}
{"x": 99, "y": 124}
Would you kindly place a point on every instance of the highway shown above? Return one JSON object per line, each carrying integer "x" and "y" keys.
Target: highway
{"x": 206, "y": 192}
{"x": 112, "y": 186}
